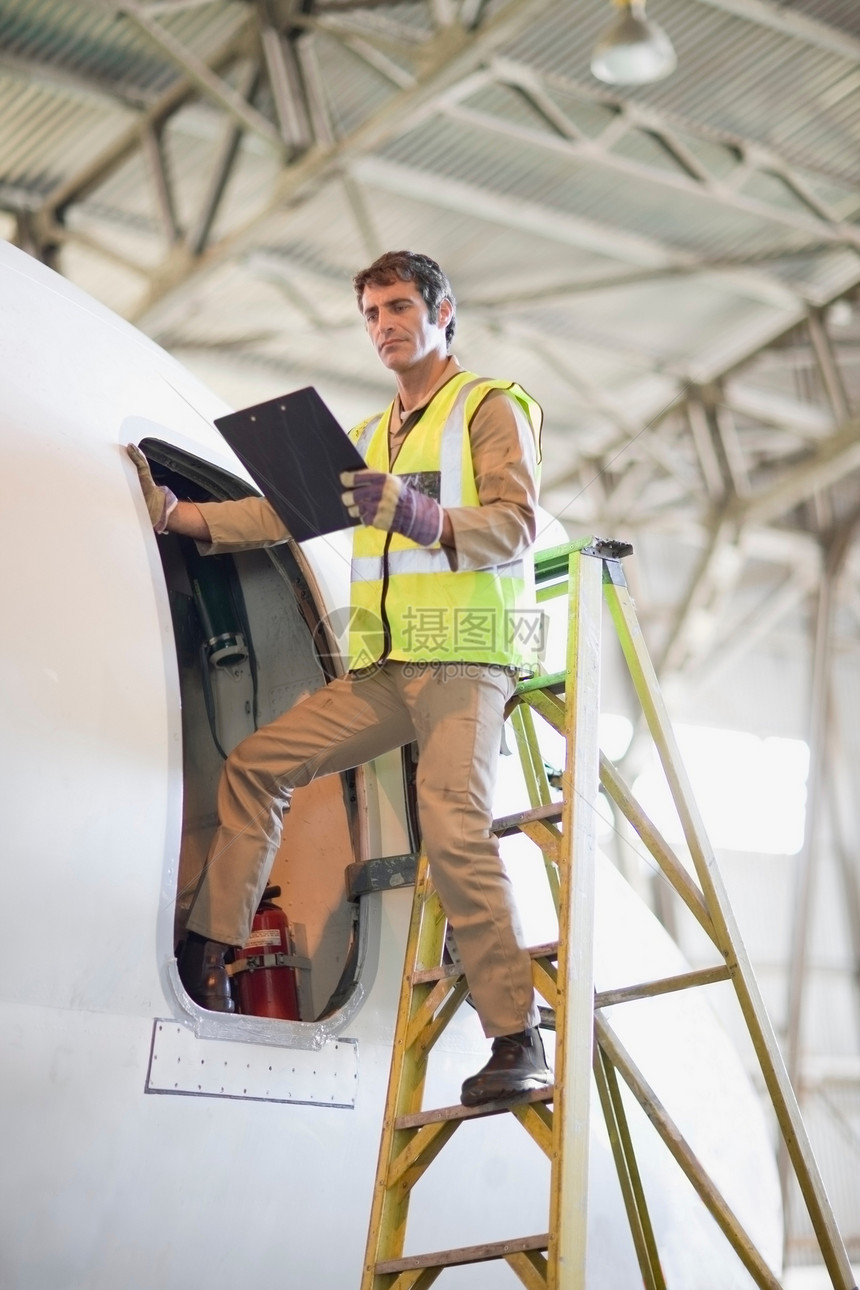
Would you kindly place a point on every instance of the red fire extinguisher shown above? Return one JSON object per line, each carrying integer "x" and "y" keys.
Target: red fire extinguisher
{"x": 264, "y": 969}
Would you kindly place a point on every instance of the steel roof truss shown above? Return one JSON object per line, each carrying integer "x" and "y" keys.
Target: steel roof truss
{"x": 681, "y": 179}
{"x": 201, "y": 75}
{"x": 153, "y": 151}
{"x": 226, "y": 156}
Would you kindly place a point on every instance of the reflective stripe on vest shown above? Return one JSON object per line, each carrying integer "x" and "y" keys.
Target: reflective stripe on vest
{"x": 434, "y": 613}
{"x": 369, "y": 568}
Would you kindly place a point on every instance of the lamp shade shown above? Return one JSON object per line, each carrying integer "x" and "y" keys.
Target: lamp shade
{"x": 633, "y": 50}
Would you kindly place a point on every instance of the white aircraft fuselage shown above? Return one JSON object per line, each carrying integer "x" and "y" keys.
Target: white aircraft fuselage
{"x": 147, "y": 1144}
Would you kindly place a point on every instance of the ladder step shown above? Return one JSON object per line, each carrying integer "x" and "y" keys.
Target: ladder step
{"x": 664, "y": 985}
{"x": 555, "y": 683}
{"x": 443, "y": 1114}
{"x": 508, "y": 824}
{"x": 466, "y": 1254}
{"x": 451, "y": 971}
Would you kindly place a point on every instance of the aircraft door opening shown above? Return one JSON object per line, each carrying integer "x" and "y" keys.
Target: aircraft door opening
{"x": 250, "y": 644}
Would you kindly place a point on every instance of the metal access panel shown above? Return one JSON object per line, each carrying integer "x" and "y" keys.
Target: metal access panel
{"x": 180, "y": 1062}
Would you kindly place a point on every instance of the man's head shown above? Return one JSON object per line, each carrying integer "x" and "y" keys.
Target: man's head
{"x": 409, "y": 266}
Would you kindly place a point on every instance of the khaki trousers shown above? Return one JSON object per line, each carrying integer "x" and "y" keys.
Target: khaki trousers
{"x": 456, "y": 713}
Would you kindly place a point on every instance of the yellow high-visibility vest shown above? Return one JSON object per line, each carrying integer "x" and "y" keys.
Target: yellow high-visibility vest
{"x": 406, "y": 601}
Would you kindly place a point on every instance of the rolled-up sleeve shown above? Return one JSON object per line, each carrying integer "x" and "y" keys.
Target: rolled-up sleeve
{"x": 504, "y": 455}
{"x": 241, "y": 526}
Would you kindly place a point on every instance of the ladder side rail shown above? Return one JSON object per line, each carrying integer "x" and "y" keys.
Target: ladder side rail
{"x": 659, "y": 848}
{"x": 728, "y": 938}
{"x": 537, "y": 782}
{"x": 432, "y": 1015}
{"x": 416, "y": 1279}
{"x": 575, "y": 986}
{"x": 390, "y": 1205}
{"x": 536, "y": 1119}
{"x": 730, "y": 1225}
{"x": 545, "y": 979}
{"x": 626, "y": 1167}
{"x": 530, "y": 1267}
{"x": 549, "y": 706}
{"x": 419, "y": 1153}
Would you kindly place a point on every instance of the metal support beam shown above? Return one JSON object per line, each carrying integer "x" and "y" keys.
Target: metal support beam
{"x": 202, "y": 76}
{"x": 513, "y": 213}
{"x": 91, "y": 88}
{"x": 739, "y": 638}
{"x": 825, "y": 357}
{"x": 79, "y": 185}
{"x": 843, "y": 816}
{"x": 807, "y": 860}
{"x": 709, "y": 462}
{"x": 732, "y": 449}
{"x": 608, "y": 240}
{"x": 752, "y": 156}
{"x": 32, "y": 237}
{"x": 837, "y": 457}
{"x": 446, "y": 59}
{"x": 819, "y": 745}
{"x": 680, "y": 181}
{"x": 321, "y": 126}
{"x": 198, "y": 235}
{"x": 153, "y": 151}
{"x": 716, "y": 572}
{"x": 288, "y": 90}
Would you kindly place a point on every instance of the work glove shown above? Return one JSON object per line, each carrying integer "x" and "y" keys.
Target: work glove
{"x": 388, "y": 502}
{"x": 160, "y": 501}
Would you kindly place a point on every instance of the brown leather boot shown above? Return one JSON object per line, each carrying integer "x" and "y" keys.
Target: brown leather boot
{"x": 203, "y": 972}
{"x": 518, "y": 1063}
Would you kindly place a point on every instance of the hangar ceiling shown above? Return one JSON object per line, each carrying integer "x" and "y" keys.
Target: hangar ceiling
{"x": 673, "y": 269}
{"x": 669, "y": 268}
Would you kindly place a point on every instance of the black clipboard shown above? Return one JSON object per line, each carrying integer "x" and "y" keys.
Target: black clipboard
{"x": 294, "y": 449}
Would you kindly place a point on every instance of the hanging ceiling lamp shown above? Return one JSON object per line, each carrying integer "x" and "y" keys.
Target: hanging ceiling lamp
{"x": 633, "y": 51}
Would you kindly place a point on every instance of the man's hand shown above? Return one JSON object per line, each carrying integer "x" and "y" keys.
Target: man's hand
{"x": 160, "y": 501}
{"x": 387, "y": 502}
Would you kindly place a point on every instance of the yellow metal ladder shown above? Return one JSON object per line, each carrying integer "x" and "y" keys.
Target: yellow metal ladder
{"x": 589, "y": 573}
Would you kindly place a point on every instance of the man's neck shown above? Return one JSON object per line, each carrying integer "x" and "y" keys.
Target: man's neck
{"x": 415, "y": 385}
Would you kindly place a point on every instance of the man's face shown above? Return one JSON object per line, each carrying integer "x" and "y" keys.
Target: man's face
{"x": 399, "y": 325}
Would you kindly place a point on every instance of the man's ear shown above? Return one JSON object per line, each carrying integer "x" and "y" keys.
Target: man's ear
{"x": 444, "y": 313}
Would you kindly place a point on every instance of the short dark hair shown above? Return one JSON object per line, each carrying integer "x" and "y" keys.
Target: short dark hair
{"x": 410, "y": 266}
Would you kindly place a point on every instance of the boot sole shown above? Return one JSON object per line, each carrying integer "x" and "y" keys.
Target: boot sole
{"x": 503, "y": 1094}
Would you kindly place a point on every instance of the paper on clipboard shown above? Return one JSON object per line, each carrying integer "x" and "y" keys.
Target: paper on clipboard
{"x": 294, "y": 449}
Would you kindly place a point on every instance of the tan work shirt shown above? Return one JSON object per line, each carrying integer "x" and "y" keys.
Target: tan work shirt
{"x": 501, "y": 528}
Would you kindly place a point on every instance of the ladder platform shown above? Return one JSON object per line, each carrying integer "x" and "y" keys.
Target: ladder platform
{"x": 451, "y": 971}
{"x": 555, "y": 684}
{"x": 465, "y": 1254}
{"x": 508, "y": 824}
{"x": 444, "y": 1114}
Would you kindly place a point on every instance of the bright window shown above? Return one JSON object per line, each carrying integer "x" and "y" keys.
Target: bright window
{"x": 751, "y": 791}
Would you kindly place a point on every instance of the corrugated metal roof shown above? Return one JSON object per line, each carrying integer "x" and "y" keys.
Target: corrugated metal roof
{"x": 94, "y": 41}
{"x": 512, "y": 168}
{"x": 733, "y": 77}
{"x": 736, "y": 81}
{"x": 844, "y": 15}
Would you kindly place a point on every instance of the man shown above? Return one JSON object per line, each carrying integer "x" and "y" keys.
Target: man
{"x": 441, "y": 561}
